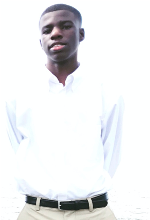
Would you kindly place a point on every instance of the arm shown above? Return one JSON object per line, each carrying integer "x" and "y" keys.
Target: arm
{"x": 13, "y": 133}
{"x": 112, "y": 135}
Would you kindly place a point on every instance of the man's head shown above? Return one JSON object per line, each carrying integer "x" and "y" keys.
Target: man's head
{"x": 58, "y": 7}
{"x": 61, "y": 32}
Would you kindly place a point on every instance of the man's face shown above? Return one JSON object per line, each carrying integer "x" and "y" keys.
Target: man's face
{"x": 60, "y": 35}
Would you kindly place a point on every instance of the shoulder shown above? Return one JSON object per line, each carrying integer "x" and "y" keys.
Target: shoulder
{"x": 112, "y": 97}
{"x": 111, "y": 91}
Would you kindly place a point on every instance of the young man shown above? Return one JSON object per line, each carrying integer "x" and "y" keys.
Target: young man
{"x": 66, "y": 132}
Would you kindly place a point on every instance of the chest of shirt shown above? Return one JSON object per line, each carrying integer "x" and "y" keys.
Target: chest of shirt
{"x": 74, "y": 110}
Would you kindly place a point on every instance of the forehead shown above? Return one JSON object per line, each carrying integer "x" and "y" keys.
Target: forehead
{"x": 56, "y": 16}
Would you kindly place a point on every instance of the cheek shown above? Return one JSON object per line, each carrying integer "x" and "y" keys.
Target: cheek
{"x": 44, "y": 42}
{"x": 74, "y": 39}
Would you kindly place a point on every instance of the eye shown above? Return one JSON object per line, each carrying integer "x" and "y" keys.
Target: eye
{"x": 67, "y": 27}
{"x": 47, "y": 31}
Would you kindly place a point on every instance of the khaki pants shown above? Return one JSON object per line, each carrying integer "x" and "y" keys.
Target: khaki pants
{"x": 36, "y": 212}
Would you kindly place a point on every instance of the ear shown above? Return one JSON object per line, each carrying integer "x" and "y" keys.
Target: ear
{"x": 82, "y": 34}
{"x": 41, "y": 43}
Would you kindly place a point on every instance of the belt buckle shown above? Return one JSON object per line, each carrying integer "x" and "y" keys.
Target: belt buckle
{"x": 59, "y": 205}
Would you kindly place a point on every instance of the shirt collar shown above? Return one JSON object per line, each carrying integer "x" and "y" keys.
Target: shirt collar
{"x": 72, "y": 81}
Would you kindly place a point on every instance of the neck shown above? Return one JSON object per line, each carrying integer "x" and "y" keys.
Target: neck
{"x": 62, "y": 69}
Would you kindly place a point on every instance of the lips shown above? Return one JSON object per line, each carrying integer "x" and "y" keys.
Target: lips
{"x": 57, "y": 46}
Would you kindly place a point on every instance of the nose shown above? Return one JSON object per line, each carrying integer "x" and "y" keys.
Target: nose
{"x": 56, "y": 33}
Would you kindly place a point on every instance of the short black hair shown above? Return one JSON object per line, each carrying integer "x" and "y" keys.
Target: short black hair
{"x": 57, "y": 7}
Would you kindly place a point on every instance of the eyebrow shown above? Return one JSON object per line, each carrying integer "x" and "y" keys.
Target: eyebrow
{"x": 60, "y": 23}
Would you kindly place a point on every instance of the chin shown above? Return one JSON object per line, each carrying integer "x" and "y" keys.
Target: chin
{"x": 63, "y": 58}
{"x": 60, "y": 59}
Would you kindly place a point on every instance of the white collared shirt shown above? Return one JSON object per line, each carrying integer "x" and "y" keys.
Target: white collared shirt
{"x": 67, "y": 139}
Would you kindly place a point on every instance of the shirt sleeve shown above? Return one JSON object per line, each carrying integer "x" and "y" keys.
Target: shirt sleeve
{"x": 111, "y": 134}
{"x": 14, "y": 135}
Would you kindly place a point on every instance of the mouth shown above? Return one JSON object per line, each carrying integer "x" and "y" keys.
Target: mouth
{"x": 57, "y": 46}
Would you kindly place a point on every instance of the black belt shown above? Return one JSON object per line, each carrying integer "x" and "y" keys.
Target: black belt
{"x": 98, "y": 202}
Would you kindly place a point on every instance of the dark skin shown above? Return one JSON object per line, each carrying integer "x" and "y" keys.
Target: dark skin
{"x": 61, "y": 35}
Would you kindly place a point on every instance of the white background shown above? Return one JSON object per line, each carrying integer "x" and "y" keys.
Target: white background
{"x": 117, "y": 43}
